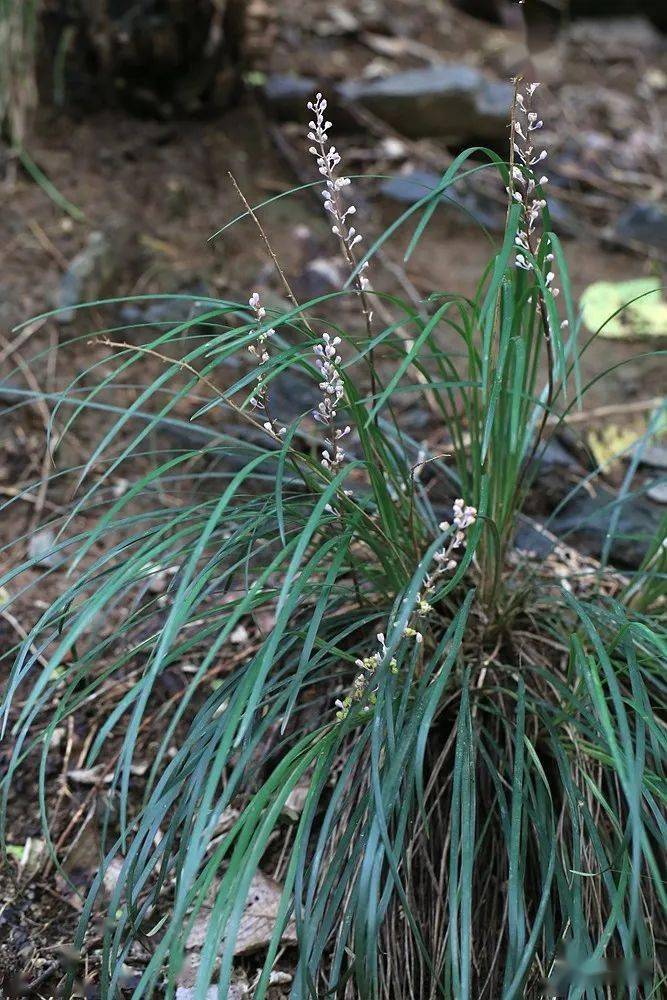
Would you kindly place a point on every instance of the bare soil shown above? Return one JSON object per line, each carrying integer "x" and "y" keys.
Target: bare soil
{"x": 161, "y": 189}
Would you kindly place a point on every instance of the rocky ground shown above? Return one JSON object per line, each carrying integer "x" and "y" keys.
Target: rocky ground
{"x": 411, "y": 84}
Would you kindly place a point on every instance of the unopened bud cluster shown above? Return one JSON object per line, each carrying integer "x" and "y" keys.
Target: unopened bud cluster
{"x": 464, "y": 517}
{"x": 328, "y": 361}
{"x": 360, "y": 692}
{"x": 445, "y": 559}
{"x": 328, "y": 160}
{"x": 260, "y": 353}
{"x": 524, "y": 186}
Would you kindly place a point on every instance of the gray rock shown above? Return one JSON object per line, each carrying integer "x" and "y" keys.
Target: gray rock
{"x": 12, "y": 393}
{"x": 286, "y": 95}
{"x": 41, "y": 548}
{"x": 529, "y": 538}
{"x": 188, "y": 993}
{"x": 169, "y": 311}
{"x": 319, "y": 276}
{"x": 586, "y": 520}
{"x": 412, "y": 186}
{"x": 451, "y": 100}
{"x": 492, "y": 108}
{"x": 563, "y": 219}
{"x": 644, "y": 223}
{"x": 654, "y": 455}
{"x": 292, "y": 395}
{"x": 556, "y": 453}
{"x": 485, "y": 211}
{"x": 617, "y": 37}
{"x": 88, "y": 273}
{"x": 658, "y": 492}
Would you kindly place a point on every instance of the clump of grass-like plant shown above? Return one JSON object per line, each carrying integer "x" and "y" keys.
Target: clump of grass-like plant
{"x": 478, "y": 739}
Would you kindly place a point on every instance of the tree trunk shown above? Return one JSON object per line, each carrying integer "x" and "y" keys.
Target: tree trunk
{"x": 18, "y": 91}
{"x": 157, "y": 57}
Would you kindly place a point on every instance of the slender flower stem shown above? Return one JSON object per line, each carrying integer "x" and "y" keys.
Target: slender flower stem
{"x": 328, "y": 160}
{"x": 328, "y": 361}
{"x": 445, "y": 560}
{"x": 259, "y": 398}
{"x": 523, "y": 188}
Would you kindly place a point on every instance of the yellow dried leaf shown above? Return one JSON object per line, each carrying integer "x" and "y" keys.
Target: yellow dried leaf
{"x": 609, "y": 444}
{"x": 643, "y": 310}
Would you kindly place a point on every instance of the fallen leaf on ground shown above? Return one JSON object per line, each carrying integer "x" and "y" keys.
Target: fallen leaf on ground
{"x": 111, "y": 875}
{"x": 265, "y": 620}
{"x": 236, "y": 992}
{"x": 643, "y": 311}
{"x": 296, "y": 800}
{"x": 240, "y": 635}
{"x": 96, "y": 776}
{"x": 278, "y": 978}
{"x": 41, "y": 546}
{"x": 239, "y": 988}
{"x": 658, "y": 493}
{"x": 257, "y": 921}
{"x": 610, "y": 444}
{"x": 34, "y": 856}
{"x": 255, "y": 929}
{"x": 227, "y": 820}
{"x": 90, "y": 776}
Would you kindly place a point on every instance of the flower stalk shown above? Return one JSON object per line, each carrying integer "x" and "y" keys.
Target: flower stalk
{"x": 328, "y": 160}
{"x": 259, "y": 351}
{"x": 524, "y": 188}
{"x": 445, "y": 559}
{"x": 328, "y": 361}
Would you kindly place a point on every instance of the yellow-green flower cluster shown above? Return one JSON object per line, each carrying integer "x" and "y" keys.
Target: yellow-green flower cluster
{"x": 464, "y": 517}
{"x": 359, "y": 692}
